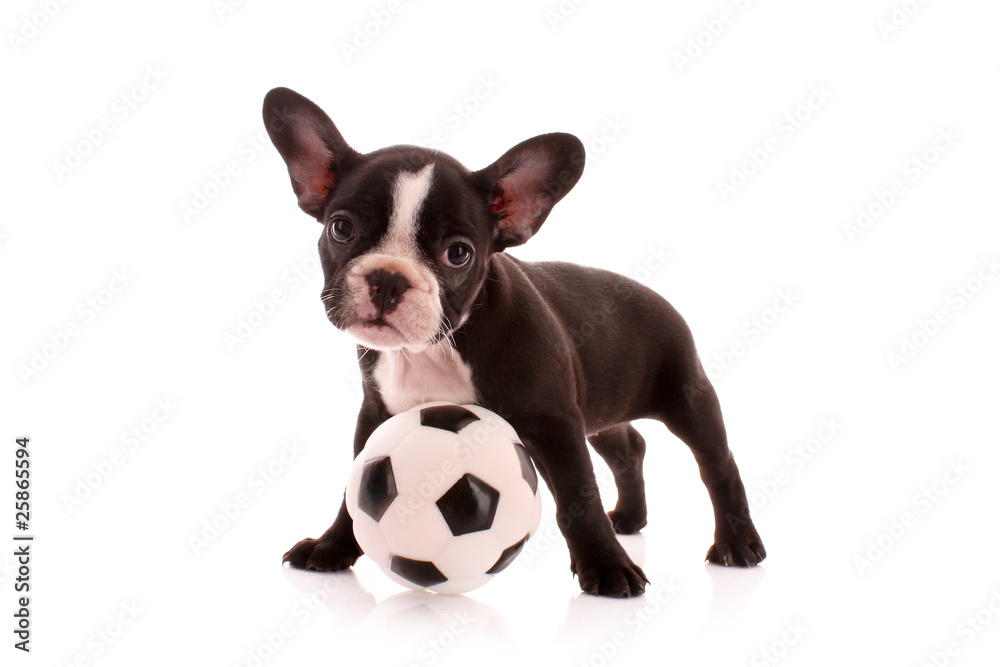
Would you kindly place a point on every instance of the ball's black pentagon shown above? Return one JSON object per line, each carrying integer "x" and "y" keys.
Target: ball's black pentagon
{"x": 508, "y": 556}
{"x": 420, "y": 572}
{"x": 447, "y": 417}
{"x": 378, "y": 487}
{"x": 527, "y": 470}
{"x": 469, "y": 505}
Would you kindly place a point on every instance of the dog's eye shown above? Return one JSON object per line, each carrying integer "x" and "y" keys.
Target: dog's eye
{"x": 457, "y": 255}
{"x": 342, "y": 229}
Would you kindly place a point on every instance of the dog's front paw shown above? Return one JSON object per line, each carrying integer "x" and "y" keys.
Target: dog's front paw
{"x": 616, "y": 577}
{"x": 322, "y": 555}
{"x": 743, "y": 549}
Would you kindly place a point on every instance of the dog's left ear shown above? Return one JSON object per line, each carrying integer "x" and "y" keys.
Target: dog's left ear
{"x": 313, "y": 149}
{"x": 526, "y": 182}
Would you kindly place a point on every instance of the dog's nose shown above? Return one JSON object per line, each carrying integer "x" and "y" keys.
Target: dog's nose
{"x": 385, "y": 289}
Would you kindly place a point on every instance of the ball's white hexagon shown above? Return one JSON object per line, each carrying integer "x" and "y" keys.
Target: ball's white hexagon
{"x": 420, "y": 534}
{"x": 369, "y": 534}
{"x": 491, "y": 458}
{"x": 390, "y": 433}
{"x": 468, "y": 556}
{"x": 426, "y": 462}
{"x": 425, "y": 467}
{"x": 518, "y": 514}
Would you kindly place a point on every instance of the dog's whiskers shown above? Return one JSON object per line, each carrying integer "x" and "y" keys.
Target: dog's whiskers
{"x": 447, "y": 332}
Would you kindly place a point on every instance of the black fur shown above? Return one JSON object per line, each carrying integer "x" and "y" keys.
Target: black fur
{"x": 564, "y": 353}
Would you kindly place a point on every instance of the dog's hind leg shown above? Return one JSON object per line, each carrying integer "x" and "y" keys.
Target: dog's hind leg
{"x": 622, "y": 448}
{"x": 691, "y": 411}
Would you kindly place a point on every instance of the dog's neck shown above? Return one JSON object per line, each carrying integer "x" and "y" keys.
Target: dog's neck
{"x": 407, "y": 378}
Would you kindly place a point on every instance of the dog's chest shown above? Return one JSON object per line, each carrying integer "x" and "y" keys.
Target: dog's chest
{"x": 436, "y": 374}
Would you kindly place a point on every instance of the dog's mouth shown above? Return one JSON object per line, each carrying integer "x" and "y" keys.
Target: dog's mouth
{"x": 377, "y": 333}
{"x": 373, "y": 325}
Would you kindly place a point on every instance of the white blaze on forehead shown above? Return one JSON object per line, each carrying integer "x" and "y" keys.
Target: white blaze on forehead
{"x": 414, "y": 324}
{"x": 408, "y": 196}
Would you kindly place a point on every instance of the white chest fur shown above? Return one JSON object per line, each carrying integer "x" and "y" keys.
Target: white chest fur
{"x": 437, "y": 374}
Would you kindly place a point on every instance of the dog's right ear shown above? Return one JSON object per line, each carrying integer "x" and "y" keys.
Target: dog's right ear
{"x": 312, "y": 147}
{"x": 527, "y": 181}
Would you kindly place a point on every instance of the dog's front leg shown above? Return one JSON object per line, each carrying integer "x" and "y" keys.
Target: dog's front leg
{"x": 337, "y": 549}
{"x": 600, "y": 563}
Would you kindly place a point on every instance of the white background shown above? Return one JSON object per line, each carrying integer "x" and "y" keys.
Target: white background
{"x": 862, "y": 567}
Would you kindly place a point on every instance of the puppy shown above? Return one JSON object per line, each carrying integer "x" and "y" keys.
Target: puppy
{"x": 413, "y": 254}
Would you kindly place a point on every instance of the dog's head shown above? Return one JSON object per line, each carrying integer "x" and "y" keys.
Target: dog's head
{"x": 408, "y": 231}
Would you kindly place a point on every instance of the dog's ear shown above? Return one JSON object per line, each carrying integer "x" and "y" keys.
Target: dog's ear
{"x": 526, "y": 182}
{"x": 312, "y": 147}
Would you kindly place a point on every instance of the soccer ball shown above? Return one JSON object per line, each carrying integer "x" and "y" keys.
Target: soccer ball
{"x": 443, "y": 497}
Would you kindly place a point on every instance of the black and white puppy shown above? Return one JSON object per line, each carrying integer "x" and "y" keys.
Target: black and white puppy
{"x": 415, "y": 270}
